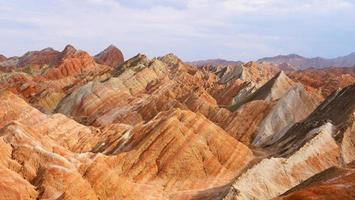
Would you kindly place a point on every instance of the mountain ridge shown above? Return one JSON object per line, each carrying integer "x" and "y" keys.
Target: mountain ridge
{"x": 77, "y": 126}
{"x": 290, "y": 61}
{"x": 317, "y": 62}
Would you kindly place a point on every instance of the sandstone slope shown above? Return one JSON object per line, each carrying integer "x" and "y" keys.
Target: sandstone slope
{"x": 76, "y": 126}
{"x": 306, "y": 149}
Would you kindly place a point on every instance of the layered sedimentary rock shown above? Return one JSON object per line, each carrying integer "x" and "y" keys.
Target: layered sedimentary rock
{"x": 258, "y": 73}
{"x": 2, "y": 58}
{"x": 45, "y": 77}
{"x": 294, "y": 106}
{"x": 71, "y": 62}
{"x": 304, "y": 150}
{"x": 13, "y": 186}
{"x": 239, "y": 81}
{"x": 315, "y": 156}
{"x": 8, "y": 64}
{"x": 333, "y": 183}
{"x": 111, "y": 56}
{"x": 35, "y": 149}
{"x": 271, "y": 110}
{"x": 96, "y": 98}
{"x": 176, "y": 151}
{"x": 73, "y": 126}
{"x": 46, "y": 56}
{"x": 149, "y": 154}
{"x": 325, "y": 80}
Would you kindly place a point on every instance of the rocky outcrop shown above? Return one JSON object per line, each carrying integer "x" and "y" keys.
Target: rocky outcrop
{"x": 315, "y": 156}
{"x": 324, "y": 81}
{"x": 57, "y": 127}
{"x": 338, "y": 109}
{"x": 271, "y": 91}
{"x": 46, "y": 80}
{"x": 282, "y": 103}
{"x": 72, "y": 127}
{"x": 72, "y": 62}
{"x": 348, "y": 141}
{"x": 151, "y": 154}
{"x": 333, "y": 183}
{"x": 2, "y": 58}
{"x": 46, "y": 56}
{"x": 294, "y": 106}
{"x": 9, "y": 64}
{"x": 246, "y": 120}
{"x": 96, "y": 98}
{"x": 257, "y": 73}
{"x": 175, "y": 152}
{"x": 274, "y": 89}
{"x": 304, "y": 150}
{"x": 111, "y": 56}
{"x": 13, "y": 186}
{"x": 36, "y": 152}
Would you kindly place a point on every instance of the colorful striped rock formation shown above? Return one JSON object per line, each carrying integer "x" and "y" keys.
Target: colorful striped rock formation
{"x": 76, "y": 126}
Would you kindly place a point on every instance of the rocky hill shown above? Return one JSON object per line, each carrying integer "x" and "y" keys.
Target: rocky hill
{"x": 76, "y": 126}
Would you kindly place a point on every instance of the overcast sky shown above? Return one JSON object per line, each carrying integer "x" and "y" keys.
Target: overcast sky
{"x": 192, "y": 29}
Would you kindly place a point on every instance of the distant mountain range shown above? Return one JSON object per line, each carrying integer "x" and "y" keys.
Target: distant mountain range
{"x": 214, "y": 62}
{"x": 291, "y": 61}
{"x": 318, "y": 62}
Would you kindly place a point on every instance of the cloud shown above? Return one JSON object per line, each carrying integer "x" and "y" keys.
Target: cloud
{"x": 193, "y": 29}
{"x": 278, "y": 7}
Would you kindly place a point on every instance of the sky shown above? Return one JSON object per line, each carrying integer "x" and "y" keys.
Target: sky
{"x": 192, "y": 29}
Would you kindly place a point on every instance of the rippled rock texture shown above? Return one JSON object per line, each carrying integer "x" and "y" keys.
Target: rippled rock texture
{"x": 76, "y": 126}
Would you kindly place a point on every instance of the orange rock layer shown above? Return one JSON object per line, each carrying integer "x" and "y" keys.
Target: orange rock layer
{"x": 73, "y": 126}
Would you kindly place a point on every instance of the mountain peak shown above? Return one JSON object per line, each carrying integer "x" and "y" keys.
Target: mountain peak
{"x": 69, "y": 49}
{"x": 274, "y": 88}
{"x": 110, "y": 56}
{"x": 281, "y": 58}
{"x": 111, "y": 46}
{"x": 292, "y": 56}
{"x": 170, "y": 59}
{"x": 48, "y": 49}
{"x": 2, "y": 58}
